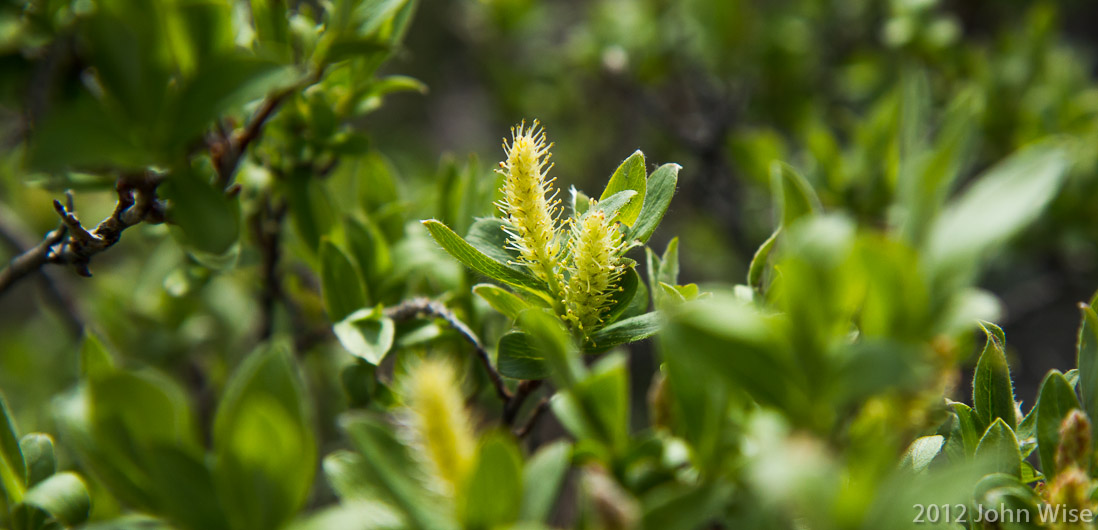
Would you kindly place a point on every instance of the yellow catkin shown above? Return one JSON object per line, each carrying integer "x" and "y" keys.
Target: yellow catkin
{"x": 530, "y": 203}
{"x": 441, "y": 422}
{"x": 595, "y": 247}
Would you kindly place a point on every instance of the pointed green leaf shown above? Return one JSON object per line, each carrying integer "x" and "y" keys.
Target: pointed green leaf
{"x": 340, "y": 285}
{"x": 625, "y": 331}
{"x": 758, "y": 261}
{"x": 367, "y": 334}
{"x": 1001, "y": 202}
{"x": 518, "y": 359}
{"x": 13, "y": 469}
{"x": 922, "y": 452}
{"x": 793, "y": 195}
{"x": 1087, "y": 358}
{"x": 1057, "y": 399}
{"x": 501, "y": 299}
{"x": 477, "y": 261}
{"x": 630, "y": 175}
{"x": 264, "y": 442}
{"x": 998, "y": 449}
{"x": 970, "y": 433}
{"x": 494, "y": 490}
{"x": 657, "y": 198}
{"x": 992, "y": 390}
{"x": 545, "y": 472}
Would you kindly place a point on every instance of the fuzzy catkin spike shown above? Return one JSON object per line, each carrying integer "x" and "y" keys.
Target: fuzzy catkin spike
{"x": 595, "y": 247}
{"x": 530, "y": 203}
{"x": 441, "y": 422}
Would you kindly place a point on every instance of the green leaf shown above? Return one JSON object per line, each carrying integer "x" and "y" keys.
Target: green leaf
{"x": 1056, "y": 399}
{"x": 502, "y": 300}
{"x": 367, "y": 334}
{"x": 611, "y": 207}
{"x": 95, "y": 360}
{"x": 1001, "y": 202}
{"x": 625, "y": 331}
{"x": 371, "y": 252}
{"x": 62, "y": 497}
{"x": 669, "y": 263}
{"x": 970, "y": 433}
{"x": 390, "y": 469}
{"x": 223, "y": 82}
{"x": 310, "y": 207}
{"x": 37, "y": 449}
{"x": 208, "y": 220}
{"x": 494, "y": 490}
{"x": 922, "y": 452}
{"x": 793, "y": 195}
{"x": 604, "y": 397}
{"x": 555, "y": 344}
{"x": 264, "y": 442}
{"x": 998, "y": 449}
{"x": 518, "y": 359}
{"x": 545, "y": 472}
{"x": 13, "y": 470}
{"x": 630, "y": 175}
{"x": 486, "y": 234}
{"x": 341, "y": 287}
{"x": 758, "y": 261}
{"x": 356, "y": 515}
{"x": 1087, "y": 358}
{"x": 477, "y": 261}
{"x": 661, "y": 187}
{"x": 992, "y": 390}
{"x": 631, "y": 288}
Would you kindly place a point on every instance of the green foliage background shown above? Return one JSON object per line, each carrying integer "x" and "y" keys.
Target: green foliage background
{"x": 879, "y": 201}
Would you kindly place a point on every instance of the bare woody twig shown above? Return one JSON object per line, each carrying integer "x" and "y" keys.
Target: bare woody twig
{"x": 417, "y": 307}
{"x": 71, "y": 243}
{"x": 539, "y": 409}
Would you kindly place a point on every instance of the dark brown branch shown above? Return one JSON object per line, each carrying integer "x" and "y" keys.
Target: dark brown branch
{"x": 512, "y": 407}
{"x": 539, "y": 409}
{"x": 267, "y": 226}
{"x": 417, "y": 307}
{"x": 75, "y": 245}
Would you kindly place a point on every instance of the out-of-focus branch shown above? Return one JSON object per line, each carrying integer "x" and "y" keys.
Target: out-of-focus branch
{"x": 539, "y": 409}
{"x": 267, "y": 226}
{"x": 14, "y": 236}
{"x": 418, "y": 307}
{"x": 228, "y": 148}
{"x": 73, "y": 244}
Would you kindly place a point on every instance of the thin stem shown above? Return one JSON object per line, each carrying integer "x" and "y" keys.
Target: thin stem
{"x": 539, "y": 409}
{"x": 418, "y": 307}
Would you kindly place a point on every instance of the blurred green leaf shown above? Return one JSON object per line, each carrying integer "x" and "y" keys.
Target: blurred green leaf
{"x": 502, "y": 300}
{"x": 13, "y": 470}
{"x": 264, "y": 441}
{"x": 208, "y": 219}
{"x": 367, "y": 334}
{"x": 922, "y": 452}
{"x": 1057, "y": 398}
{"x": 759, "y": 261}
{"x": 1001, "y": 202}
{"x": 545, "y": 473}
{"x": 37, "y": 449}
{"x": 793, "y": 195}
{"x": 392, "y": 471}
{"x": 62, "y": 497}
{"x": 1087, "y": 359}
{"x": 494, "y": 490}
{"x": 340, "y": 284}
{"x": 518, "y": 359}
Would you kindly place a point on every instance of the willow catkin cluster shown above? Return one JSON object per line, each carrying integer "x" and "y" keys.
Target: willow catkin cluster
{"x": 595, "y": 247}
{"x": 529, "y": 203}
{"x": 440, "y": 421}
